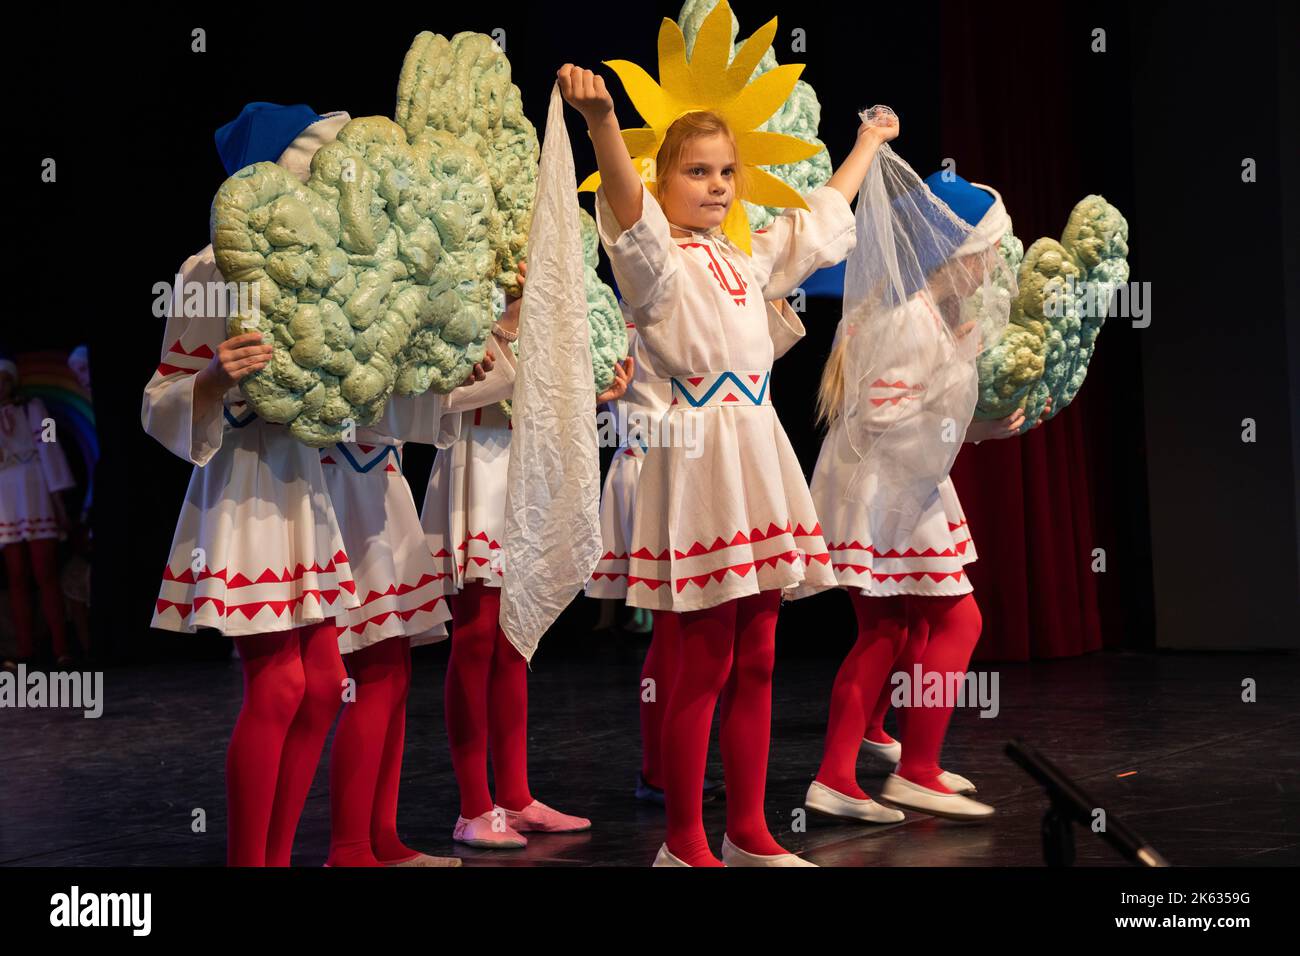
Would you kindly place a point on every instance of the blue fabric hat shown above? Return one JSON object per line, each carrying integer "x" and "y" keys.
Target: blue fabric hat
{"x": 260, "y": 133}
{"x": 969, "y": 203}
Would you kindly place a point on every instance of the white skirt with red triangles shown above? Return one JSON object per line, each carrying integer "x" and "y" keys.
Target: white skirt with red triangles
{"x": 934, "y": 561}
{"x": 399, "y": 584}
{"x": 609, "y": 579}
{"x": 257, "y": 548}
{"x": 723, "y": 515}
{"x": 464, "y": 512}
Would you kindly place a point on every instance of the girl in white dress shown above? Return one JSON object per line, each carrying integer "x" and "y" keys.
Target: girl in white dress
{"x": 33, "y": 474}
{"x": 641, "y": 406}
{"x": 918, "y": 586}
{"x": 402, "y": 605}
{"x": 258, "y": 553}
{"x": 464, "y": 518}
{"x": 723, "y": 522}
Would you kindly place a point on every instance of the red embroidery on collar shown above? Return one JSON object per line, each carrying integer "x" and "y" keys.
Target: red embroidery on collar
{"x": 732, "y": 284}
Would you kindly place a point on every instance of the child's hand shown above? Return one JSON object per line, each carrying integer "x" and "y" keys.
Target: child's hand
{"x": 585, "y": 92}
{"x": 509, "y": 321}
{"x": 622, "y": 376}
{"x": 236, "y": 359}
{"x": 480, "y": 370}
{"x": 1008, "y": 427}
{"x": 1047, "y": 407}
{"x": 882, "y": 130}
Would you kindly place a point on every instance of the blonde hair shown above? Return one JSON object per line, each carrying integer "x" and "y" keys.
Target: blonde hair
{"x": 830, "y": 392}
{"x": 683, "y": 130}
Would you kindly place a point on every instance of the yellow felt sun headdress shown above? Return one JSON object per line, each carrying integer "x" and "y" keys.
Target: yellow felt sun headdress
{"x": 708, "y": 83}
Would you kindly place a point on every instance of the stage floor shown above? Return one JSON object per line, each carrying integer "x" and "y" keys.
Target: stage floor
{"x": 1162, "y": 741}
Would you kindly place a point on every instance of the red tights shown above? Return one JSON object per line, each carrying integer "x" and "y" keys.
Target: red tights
{"x": 40, "y": 556}
{"x": 487, "y": 705}
{"x": 910, "y": 655}
{"x": 661, "y": 663}
{"x": 292, "y": 691}
{"x": 729, "y": 650}
{"x": 942, "y": 638}
{"x": 366, "y": 760}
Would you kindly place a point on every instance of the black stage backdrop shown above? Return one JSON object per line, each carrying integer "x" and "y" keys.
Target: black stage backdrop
{"x": 1013, "y": 93}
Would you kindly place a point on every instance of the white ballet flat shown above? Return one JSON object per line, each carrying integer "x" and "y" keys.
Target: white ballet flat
{"x": 664, "y": 858}
{"x": 822, "y": 799}
{"x": 951, "y": 806}
{"x": 956, "y": 782}
{"x": 733, "y": 855}
{"x": 889, "y": 753}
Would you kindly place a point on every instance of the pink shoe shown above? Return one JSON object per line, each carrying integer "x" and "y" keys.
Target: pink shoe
{"x": 489, "y": 831}
{"x": 537, "y": 817}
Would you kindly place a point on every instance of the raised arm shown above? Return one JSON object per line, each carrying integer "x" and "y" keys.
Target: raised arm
{"x": 585, "y": 91}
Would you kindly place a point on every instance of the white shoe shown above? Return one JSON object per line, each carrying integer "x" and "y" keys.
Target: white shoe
{"x": 889, "y": 753}
{"x": 832, "y": 803}
{"x": 733, "y": 855}
{"x": 956, "y": 782}
{"x": 664, "y": 858}
{"x": 951, "y": 806}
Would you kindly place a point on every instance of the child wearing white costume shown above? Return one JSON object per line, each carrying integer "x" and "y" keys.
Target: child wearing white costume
{"x": 258, "y": 553}
{"x": 905, "y": 576}
{"x": 33, "y": 473}
{"x": 464, "y": 519}
{"x": 401, "y": 589}
{"x": 722, "y": 530}
{"x": 643, "y": 408}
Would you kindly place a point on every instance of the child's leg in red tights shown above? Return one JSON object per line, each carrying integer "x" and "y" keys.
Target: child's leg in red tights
{"x": 473, "y": 638}
{"x": 322, "y": 666}
{"x": 360, "y": 745}
{"x": 18, "y": 569}
{"x": 660, "y": 667}
{"x": 747, "y": 722}
{"x": 954, "y": 624}
{"x": 707, "y": 642}
{"x": 384, "y": 841}
{"x": 45, "y": 562}
{"x": 508, "y": 725}
{"x": 274, "y": 685}
{"x": 917, "y": 632}
{"x": 882, "y": 631}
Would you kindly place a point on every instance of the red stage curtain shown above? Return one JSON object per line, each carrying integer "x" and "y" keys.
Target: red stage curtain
{"x": 1030, "y": 501}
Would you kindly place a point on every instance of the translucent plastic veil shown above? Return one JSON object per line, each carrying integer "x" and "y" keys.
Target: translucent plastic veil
{"x": 923, "y": 292}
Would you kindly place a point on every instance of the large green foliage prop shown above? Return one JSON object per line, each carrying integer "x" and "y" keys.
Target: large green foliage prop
{"x": 374, "y": 276}
{"x": 1065, "y": 291}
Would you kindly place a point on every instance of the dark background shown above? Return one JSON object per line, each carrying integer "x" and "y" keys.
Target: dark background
{"x": 1199, "y": 528}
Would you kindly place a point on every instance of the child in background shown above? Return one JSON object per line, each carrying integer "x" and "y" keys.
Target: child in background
{"x": 33, "y": 474}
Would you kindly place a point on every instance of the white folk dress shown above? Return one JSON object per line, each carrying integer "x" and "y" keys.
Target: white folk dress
{"x": 464, "y": 513}
{"x": 31, "y": 470}
{"x": 257, "y": 549}
{"x": 934, "y": 560}
{"x": 617, "y": 499}
{"x": 722, "y": 509}
{"x": 401, "y": 585}
{"x": 398, "y": 582}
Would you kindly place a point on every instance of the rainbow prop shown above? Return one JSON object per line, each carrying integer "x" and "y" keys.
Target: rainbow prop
{"x": 46, "y": 375}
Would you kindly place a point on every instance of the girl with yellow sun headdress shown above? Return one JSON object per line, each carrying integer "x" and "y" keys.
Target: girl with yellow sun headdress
{"x": 724, "y": 524}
